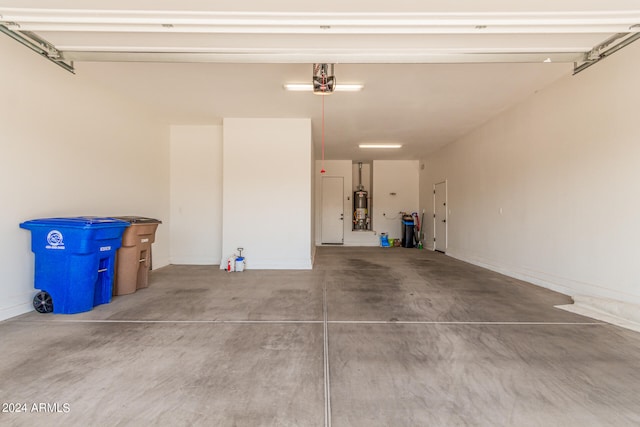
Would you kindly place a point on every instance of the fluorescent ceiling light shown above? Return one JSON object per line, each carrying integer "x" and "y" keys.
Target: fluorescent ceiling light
{"x": 298, "y": 87}
{"x": 308, "y": 87}
{"x": 350, "y": 87}
{"x": 380, "y": 145}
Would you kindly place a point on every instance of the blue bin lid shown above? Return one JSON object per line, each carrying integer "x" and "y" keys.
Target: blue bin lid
{"x": 78, "y": 222}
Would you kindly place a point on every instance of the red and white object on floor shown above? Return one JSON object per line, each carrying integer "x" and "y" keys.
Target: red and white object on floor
{"x": 231, "y": 263}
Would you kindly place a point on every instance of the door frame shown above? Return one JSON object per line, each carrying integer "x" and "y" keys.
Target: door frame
{"x": 446, "y": 216}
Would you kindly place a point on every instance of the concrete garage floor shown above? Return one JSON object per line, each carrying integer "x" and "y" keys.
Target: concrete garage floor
{"x": 370, "y": 337}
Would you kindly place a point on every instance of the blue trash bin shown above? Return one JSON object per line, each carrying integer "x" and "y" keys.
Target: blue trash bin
{"x": 74, "y": 261}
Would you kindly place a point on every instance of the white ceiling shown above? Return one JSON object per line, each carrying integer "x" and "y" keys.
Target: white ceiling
{"x": 408, "y": 55}
{"x": 423, "y": 106}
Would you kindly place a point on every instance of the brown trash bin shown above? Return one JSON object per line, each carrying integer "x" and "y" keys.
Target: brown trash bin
{"x": 133, "y": 259}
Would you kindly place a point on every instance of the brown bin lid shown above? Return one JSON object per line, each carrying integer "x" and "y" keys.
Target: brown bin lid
{"x": 138, "y": 219}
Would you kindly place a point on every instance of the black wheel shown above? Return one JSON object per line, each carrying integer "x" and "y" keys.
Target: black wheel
{"x": 42, "y": 302}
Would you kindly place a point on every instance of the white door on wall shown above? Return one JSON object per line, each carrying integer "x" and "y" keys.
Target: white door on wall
{"x": 440, "y": 216}
{"x": 332, "y": 210}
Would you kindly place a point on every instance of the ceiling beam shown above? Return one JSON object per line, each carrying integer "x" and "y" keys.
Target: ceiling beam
{"x": 29, "y": 19}
{"x": 335, "y": 56}
{"x": 327, "y": 29}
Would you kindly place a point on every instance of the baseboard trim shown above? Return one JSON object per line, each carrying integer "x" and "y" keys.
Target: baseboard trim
{"x": 562, "y": 285}
{"x": 617, "y": 313}
{"x": 274, "y": 264}
{"x": 16, "y": 310}
{"x": 193, "y": 261}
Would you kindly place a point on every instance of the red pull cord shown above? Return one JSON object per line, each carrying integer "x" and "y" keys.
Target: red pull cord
{"x": 322, "y": 171}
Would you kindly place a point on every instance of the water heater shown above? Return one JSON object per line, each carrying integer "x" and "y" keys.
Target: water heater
{"x": 360, "y": 205}
{"x": 360, "y": 211}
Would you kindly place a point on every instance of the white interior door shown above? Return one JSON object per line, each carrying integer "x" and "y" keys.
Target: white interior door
{"x": 332, "y": 210}
{"x": 440, "y": 216}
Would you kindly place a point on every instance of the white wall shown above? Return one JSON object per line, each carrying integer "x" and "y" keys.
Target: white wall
{"x": 394, "y": 176}
{"x": 196, "y": 194}
{"x": 549, "y": 191}
{"x": 266, "y": 192}
{"x": 312, "y": 219}
{"x": 70, "y": 148}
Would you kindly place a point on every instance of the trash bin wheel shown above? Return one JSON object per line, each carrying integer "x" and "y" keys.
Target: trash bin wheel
{"x": 42, "y": 302}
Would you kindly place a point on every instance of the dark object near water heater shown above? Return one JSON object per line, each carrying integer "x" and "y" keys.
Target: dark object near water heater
{"x": 407, "y": 231}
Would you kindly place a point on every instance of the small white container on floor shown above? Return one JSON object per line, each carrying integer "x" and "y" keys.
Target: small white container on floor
{"x": 240, "y": 263}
